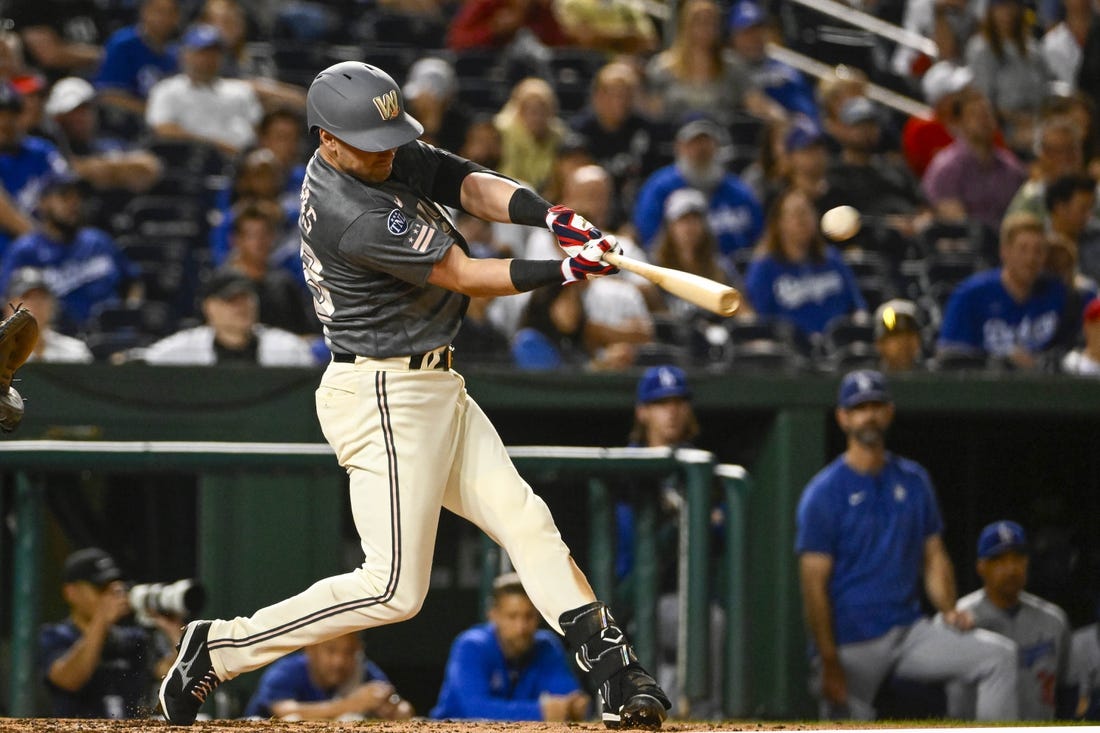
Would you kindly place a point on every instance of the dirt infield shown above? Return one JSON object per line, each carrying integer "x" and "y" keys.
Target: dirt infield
{"x": 54, "y": 725}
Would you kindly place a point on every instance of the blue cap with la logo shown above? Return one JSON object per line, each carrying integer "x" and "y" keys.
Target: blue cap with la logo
{"x": 862, "y": 385}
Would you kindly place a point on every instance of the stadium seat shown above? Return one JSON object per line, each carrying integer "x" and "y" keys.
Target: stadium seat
{"x": 655, "y": 354}
{"x": 845, "y": 330}
{"x": 765, "y": 355}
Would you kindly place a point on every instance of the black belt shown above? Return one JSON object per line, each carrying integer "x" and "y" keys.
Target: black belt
{"x": 416, "y": 361}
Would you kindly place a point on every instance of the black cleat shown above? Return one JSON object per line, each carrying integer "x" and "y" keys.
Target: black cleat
{"x": 191, "y": 677}
{"x": 632, "y": 699}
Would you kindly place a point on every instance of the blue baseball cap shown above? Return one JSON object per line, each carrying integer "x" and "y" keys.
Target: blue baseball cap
{"x": 860, "y": 386}
{"x": 661, "y": 383}
{"x": 802, "y": 134}
{"x": 202, "y": 35}
{"x": 745, "y": 15}
{"x": 1001, "y": 537}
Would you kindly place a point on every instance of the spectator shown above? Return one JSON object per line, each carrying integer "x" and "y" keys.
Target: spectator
{"x": 1039, "y": 628}
{"x": 509, "y": 669}
{"x": 1059, "y": 151}
{"x": 93, "y": 666}
{"x": 1009, "y": 69}
{"x": 1061, "y": 45}
{"x": 972, "y": 178}
{"x": 698, "y": 75}
{"x": 232, "y": 333}
{"x": 200, "y": 105}
{"x": 258, "y": 71}
{"x": 61, "y": 37}
{"x": 283, "y": 301}
{"x": 1011, "y": 312}
{"x": 483, "y": 143}
{"x": 431, "y": 97}
{"x": 735, "y": 215}
{"x": 260, "y": 176}
{"x": 1070, "y": 201}
{"x": 833, "y": 91}
{"x": 280, "y": 131}
{"x": 1085, "y": 361}
{"x": 138, "y": 56}
{"x": 748, "y": 38}
{"x": 83, "y": 265}
{"x": 664, "y": 417}
{"x": 24, "y": 162}
{"x": 617, "y": 135}
{"x": 949, "y": 23}
{"x": 806, "y": 163}
{"x": 869, "y": 532}
{"x": 898, "y": 336}
{"x": 32, "y": 88}
{"x": 104, "y": 162}
{"x": 1085, "y": 670}
{"x": 944, "y": 86}
{"x": 861, "y": 178}
{"x": 686, "y": 242}
{"x": 28, "y": 287}
{"x": 330, "y": 680}
{"x": 615, "y": 313}
{"x": 795, "y": 275}
{"x": 530, "y": 132}
{"x": 488, "y": 24}
{"x": 613, "y": 26}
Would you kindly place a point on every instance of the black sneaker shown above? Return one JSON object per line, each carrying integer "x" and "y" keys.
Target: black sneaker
{"x": 191, "y": 677}
{"x": 633, "y": 699}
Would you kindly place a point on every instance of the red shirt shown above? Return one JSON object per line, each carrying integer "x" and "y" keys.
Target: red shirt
{"x": 921, "y": 139}
{"x": 472, "y": 25}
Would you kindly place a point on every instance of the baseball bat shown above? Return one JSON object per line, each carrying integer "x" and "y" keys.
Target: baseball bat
{"x": 700, "y": 291}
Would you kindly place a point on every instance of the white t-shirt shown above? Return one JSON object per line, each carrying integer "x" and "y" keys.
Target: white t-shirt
{"x": 57, "y": 348}
{"x": 195, "y": 346}
{"x": 226, "y": 110}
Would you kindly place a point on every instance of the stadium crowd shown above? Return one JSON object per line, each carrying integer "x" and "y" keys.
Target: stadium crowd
{"x": 146, "y": 148}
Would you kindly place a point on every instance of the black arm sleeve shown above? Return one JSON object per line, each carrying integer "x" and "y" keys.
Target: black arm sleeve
{"x": 451, "y": 171}
{"x": 531, "y": 274}
{"x": 528, "y": 208}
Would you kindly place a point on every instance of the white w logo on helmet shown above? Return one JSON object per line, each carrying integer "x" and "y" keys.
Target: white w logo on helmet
{"x": 387, "y": 105}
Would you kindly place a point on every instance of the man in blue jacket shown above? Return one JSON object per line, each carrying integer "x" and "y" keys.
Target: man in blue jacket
{"x": 509, "y": 669}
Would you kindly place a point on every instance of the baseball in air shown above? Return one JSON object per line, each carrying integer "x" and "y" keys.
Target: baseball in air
{"x": 840, "y": 223}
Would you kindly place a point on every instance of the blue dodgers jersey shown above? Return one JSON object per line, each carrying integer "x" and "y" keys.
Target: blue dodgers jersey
{"x": 131, "y": 65}
{"x": 479, "y": 683}
{"x": 288, "y": 679}
{"x": 21, "y": 171}
{"x": 87, "y": 271}
{"x": 982, "y": 316}
{"x": 874, "y": 528}
{"x": 809, "y": 294}
{"x": 735, "y": 215}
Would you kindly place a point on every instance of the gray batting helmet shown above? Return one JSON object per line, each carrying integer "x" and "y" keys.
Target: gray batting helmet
{"x": 361, "y": 105}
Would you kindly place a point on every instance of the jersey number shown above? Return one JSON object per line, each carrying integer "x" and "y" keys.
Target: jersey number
{"x": 322, "y": 298}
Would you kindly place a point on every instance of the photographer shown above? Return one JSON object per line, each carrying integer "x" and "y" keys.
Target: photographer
{"x": 93, "y": 666}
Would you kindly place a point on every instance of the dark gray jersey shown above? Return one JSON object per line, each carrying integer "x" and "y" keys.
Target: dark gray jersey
{"x": 1041, "y": 632}
{"x": 367, "y": 252}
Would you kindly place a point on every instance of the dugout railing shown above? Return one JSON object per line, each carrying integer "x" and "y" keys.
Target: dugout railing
{"x": 32, "y": 461}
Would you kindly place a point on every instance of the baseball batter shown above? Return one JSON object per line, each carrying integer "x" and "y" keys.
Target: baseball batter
{"x": 391, "y": 278}
{"x": 1039, "y": 628}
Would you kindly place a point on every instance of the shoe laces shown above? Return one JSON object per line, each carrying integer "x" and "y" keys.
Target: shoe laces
{"x": 205, "y": 685}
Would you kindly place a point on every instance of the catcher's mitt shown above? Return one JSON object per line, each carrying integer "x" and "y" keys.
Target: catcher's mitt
{"x": 18, "y": 336}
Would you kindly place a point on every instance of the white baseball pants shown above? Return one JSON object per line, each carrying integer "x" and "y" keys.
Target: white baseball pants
{"x": 411, "y": 442}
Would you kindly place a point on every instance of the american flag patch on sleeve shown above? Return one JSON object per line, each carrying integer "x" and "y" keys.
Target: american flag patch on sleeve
{"x": 420, "y": 236}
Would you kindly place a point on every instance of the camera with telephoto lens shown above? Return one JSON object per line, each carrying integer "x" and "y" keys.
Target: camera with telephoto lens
{"x": 183, "y": 598}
